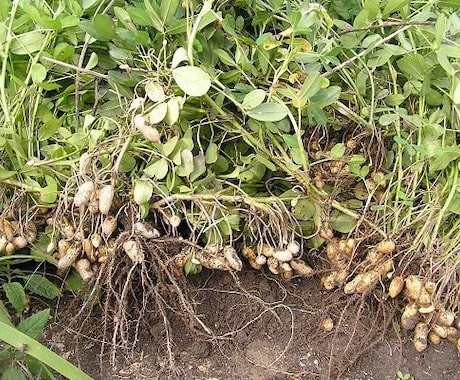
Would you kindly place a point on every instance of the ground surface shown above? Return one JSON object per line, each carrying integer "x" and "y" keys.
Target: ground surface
{"x": 264, "y": 330}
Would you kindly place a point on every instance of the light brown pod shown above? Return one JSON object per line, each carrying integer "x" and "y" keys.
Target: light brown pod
{"x": 421, "y": 336}
{"x": 386, "y": 246}
{"x": 301, "y": 268}
{"x": 151, "y": 134}
{"x": 413, "y": 287}
{"x": 106, "y": 194}
{"x": 440, "y": 330}
{"x": 327, "y": 324}
{"x": 96, "y": 240}
{"x": 109, "y": 225}
{"x": 445, "y": 318}
{"x": 286, "y": 271}
{"x": 273, "y": 265}
{"x": 7, "y": 228}
{"x": 31, "y": 232}
{"x": 452, "y": 334}
{"x": 458, "y": 346}
{"x": 102, "y": 253}
{"x": 249, "y": 253}
{"x": 424, "y": 299}
{"x": 63, "y": 246}
{"x": 326, "y": 234}
{"x": 66, "y": 228}
{"x": 426, "y": 309}
{"x": 19, "y": 242}
{"x": 254, "y": 265}
{"x": 362, "y": 283}
{"x": 212, "y": 262}
{"x": 134, "y": 251}
{"x": 89, "y": 250}
{"x": 3, "y": 243}
{"x": 9, "y": 249}
{"x": 430, "y": 287}
{"x": 83, "y": 195}
{"x": 70, "y": 256}
{"x": 93, "y": 206}
{"x": 328, "y": 282}
{"x": 342, "y": 246}
{"x": 396, "y": 286}
{"x": 267, "y": 250}
{"x": 349, "y": 247}
{"x": 410, "y": 317}
{"x": 232, "y": 258}
{"x": 386, "y": 267}
{"x": 146, "y": 230}
{"x": 434, "y": 338}
{"x": 83, "y": 268}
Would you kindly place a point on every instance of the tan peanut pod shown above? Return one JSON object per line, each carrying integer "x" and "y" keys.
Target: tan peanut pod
{"x": 373, "y": 257}
{"x": 440, "y": 330}
{"x": 31, "y": 232}
{"x": 134, "y": 251}
{"x": 181, "y": 259}
{"x": 396, "y": 286}
{"x": 96, "y": 240}
{"x": 424, "y": 298}
{"x": 7, "y": 228}
{"x": 286, "y": 271}
{"x": 430, "y": 287}
{"x": 362, "y": 282}
{"x": 19, "y": 242}
{"x": 283, "y": 256}
{"x": 301, "y": 268}
{"x": 267, "y": 250}
{"x": 326, "y": 234}
{"x": 434, "y": 338}
{"x": 63, "y": 246}
{"x": 445, "y": 318}
{"x": 102, "y": 253}
{"x": 328, "y": 281}
{"x": 426, "y": 309}
{"x": 452, "y": 334}
{"x": 89, "y": 250}
{"x": 146, "y": 230}
{"x": 327, "y": 324}
{"x": 410, "y": 317}
{"x": 421, "y": 336}
{"x": 232, "y": 258}
{"x": 255, "y": 265}
{"x": 106, "y": 195}
{"x": 83, "y": 268}
{"x": 83, "y": 194}
{"x": 70, "y": 256}
{"x": 386, "y": 246}
{"x": 249, "y": 253}
{"x": 261, "y": 260}
{"x": 294, "y": 248}
{"x": 10, "y": 249}
{"x": 349, "y": 247}
{"x": 109, "y": 225}
{"x": 386, "y": 267}
{"x": 342, "y": 246}
{"x": 3, "y": 243}
{"x": 66, "y": 228}
{"x": 273, "y": 265}
{"x": 413, "y": 287}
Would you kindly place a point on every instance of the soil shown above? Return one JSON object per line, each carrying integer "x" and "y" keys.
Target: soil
{"x": 262, "y": 329}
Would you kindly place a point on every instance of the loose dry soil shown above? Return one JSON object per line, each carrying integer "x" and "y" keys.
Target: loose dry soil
{"x": 264, "y": 330}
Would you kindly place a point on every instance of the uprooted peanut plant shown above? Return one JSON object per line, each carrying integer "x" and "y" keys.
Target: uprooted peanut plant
{"x": 246, "y": 134}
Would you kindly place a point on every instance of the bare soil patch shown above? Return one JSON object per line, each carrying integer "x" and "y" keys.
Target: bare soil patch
{"x": 263, "y": 330}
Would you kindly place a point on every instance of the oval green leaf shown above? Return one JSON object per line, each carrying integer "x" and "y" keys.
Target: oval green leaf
{"x": 192, "y": 80}
{"x": 268, "y": 112}
{"x": 143, "y": 191}
{"x": 253, "y": 99}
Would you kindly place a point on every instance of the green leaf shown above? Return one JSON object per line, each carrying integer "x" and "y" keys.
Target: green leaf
{"x": 17, "y": 339}
{"x": 158, "y": 113}
{"x": 173, "y": 111}
{"x": 268, "y": 112}
{"x": 168, "y": 8}
{"x": 443, "y": 157}
{"x": 212, "y": 152}
{"x": 155, "y": 91}
{"x": 12, "y": 373}
{"x": 456, "y": 96}
{"x": 192, "y": 80}
{"x": 304, "y": 209}
{"x": 4, "y": 315}
{"x": 38, "y": 73}
{"x": 337, "y": 151}
{"x": 342, "y": 222}
{"x": 34, "y": 325}
{"x": 158, "y": 169}
{"x": 187, "y": 165}
{"x": 388, "y": 119}
{"x": 449, "y": 3}
{"x": 28, "y": 43}
{"x": 179, "y": 56}
{"x": 16, "y": 295}
{"x": 41, "y": 286}
{"x": 104, "y": 28}
{"x": 268, "y": 164}
{"x": 311, "y": 86}
{"x": 253, "y": 99}
{"x": 394, "y": 6}
{"x": 88, "y": 3}
{"x": 143, "y": 191}
{"x": 224, "y": 57}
